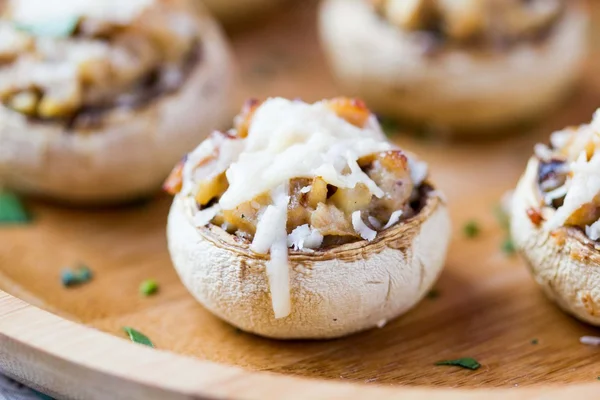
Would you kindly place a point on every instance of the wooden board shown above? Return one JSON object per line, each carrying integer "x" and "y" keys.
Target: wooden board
{"x": 488, "y": 307}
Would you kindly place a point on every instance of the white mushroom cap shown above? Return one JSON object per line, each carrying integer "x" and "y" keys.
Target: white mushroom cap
{"x": 564, "y": 261}
{"x": 388, "y": 69}
{"x": 134, "y": 150}
{"x": 334, "y": 292}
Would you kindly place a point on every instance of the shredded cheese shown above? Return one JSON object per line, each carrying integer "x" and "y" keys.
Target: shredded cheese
{"x": 361, "y": 228}
{"x": 203, "y": 217}
{"x": 395, "y": 217}
{"x": 593, "y": 231}
{"x": 305, "y": 238}
{"x": 291, "y": 139}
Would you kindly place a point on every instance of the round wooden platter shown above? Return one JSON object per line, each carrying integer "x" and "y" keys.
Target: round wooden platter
{"x": 69, "y": 342}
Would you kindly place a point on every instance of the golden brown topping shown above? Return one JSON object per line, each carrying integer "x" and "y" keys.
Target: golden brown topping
{"x": 352, "y": 110}
{"x": 354, "y": 199}
{"x": 175, "y": 180}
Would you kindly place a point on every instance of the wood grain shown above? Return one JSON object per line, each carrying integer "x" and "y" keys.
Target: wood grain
{"x": 488, "y": 306}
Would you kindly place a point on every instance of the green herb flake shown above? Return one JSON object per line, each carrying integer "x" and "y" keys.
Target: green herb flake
{"x": 137, "y": 336}
{"x": 598, "y": 377}
{"x": 534, "y": 341}
{"x": 12, "y": 210}
{"x": 467, "y": 363}
{"x": 62, "y": 28}
{"x": 389, "y": 126}
{"x": 148, "y": 287}
{"x": 74, "y": 277}
{"x": 508, "y": 246}
{"x": 433, "y": 294}
{"x": 471, "y": 229}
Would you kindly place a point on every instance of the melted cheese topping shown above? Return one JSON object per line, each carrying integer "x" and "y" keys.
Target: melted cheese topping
{"x": 292, "y": 139}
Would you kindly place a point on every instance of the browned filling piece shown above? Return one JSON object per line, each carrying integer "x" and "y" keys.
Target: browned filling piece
{"x": 484, "y": 24}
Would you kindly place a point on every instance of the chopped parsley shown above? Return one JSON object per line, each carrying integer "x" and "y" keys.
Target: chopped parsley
{"x": 63, "y": 27}
{"x": 433, "y": 294}
{"x": 534, "y": 341}
{"x": 74, "y": 277}
{"x": 466, "y": 362}
{"x": 12, "y": 210}
{"x": 137, "y": 336}
{"x": 471, "y": 229}
{"x": 148, "y": 287}
{"x": 508, "y": 246}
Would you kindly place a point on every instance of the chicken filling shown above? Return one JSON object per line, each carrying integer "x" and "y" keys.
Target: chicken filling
{"x": 495, "y": 23}
{"x": 569, "y": 177}
{"x": 320, "y": 212}
{"x": 73, "y": 63}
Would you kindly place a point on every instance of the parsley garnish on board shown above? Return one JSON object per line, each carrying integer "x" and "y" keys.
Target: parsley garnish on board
{"x": 137, "y": 336}
{"x": 466, "y": 362}
{"x": 12, "y": 210}
{"x": 471, "y": 229}
{"x": 73, "y": 277}
{"x": 63, "y": 27}
{"x": 534, "y": 341}
{"x": 148, "y": 287}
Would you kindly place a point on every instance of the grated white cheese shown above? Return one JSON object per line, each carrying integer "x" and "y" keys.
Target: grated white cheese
{"x": 291, "y": 139}
{"x": 542, "y": 152}
{"x": 304, "y": 238}
{"x": 306, "y": 189}
{"x": 203, "y": 217}
{"x": 555, "y": 194}
{"x": 395, "y": 217}
{"x": 361, "y": 228}
{"x": 593, "y": 231}
{"x": 583, "y": 188}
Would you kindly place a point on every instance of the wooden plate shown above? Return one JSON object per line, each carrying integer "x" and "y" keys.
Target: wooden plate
{"x": 487, "y": 308}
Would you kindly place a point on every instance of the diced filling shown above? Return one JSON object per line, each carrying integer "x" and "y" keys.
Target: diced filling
{"x": 569, "y": 177}
{"x": 292, "y": 175}
{"x": 70, "y": 60}
{"x": 489, "y": 22}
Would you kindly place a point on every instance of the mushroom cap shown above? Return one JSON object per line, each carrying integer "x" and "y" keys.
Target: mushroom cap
{"x": 564, "y": 262}
{"x": 455, "y": 88}
{"x": 334, "y": 292}
{"x": 133, "y": 151}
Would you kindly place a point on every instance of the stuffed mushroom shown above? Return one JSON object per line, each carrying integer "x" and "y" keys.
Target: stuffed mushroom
{"x": 302, "y": 221}
{"x": 98, "y": 99}
{"x": 556, "y": 219}
{"x": 461, "y": 65}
